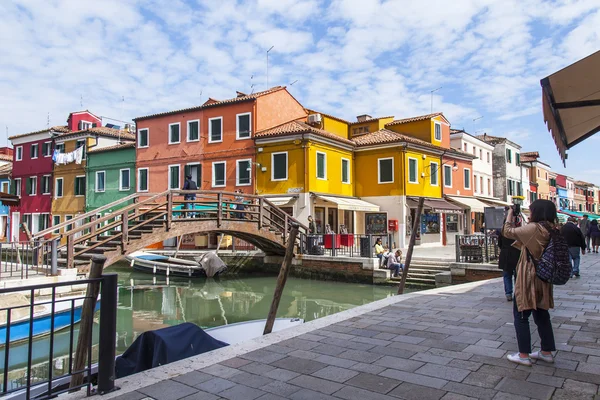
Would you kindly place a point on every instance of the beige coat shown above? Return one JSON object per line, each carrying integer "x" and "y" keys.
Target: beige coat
{"x": 530, "y": 292}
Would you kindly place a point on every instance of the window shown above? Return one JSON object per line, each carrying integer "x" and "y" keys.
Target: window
{"x": 218, "y": 174}
{"x": 489, "y": 187}
{"x": 5, "y": 187}
{"x": 385, "y": 170}
{"x": 43, "y": 222}
{"x": 475, "y": 183}
{"x": 80, "y": 186}
{"x": 433, "y": 179}
{"x": 19, "y": 153}
{"x": 142, "y": 179}
{"x": 174, "y": 174}
{"x": 474, "y": 151}
{"x": 124, "y": 179}
{"x": 215, "y": 130}
{"x": 467, "y": 178}
{"x": 193, "y": 130}
{"x": 508, "y": 156}
{"x": 447, "y": 176}
{"x": 279, "y": 166}
{"x": 17, "y": 187}
{"x": 538, "y": 173}
{"x": 58, "y": 188}
{"x": 481, "y": 184}
{"x": 518, "y": 158}
{"x": 80, "y": 143}
{"x": 47, "y": 149}
{"x": 32, "y": 185}
{"x": 243, "y": 130}
{"x": 345, "y": 170}
{"x": 481, "y": 154}
{"x": 34, "y": 150}
{"x": 84, "y": 125}
{"x": 70, "y": 226}
{"x": 465, "y": 147}
{"x": 511, "y": 187}
{"x": 195, "y": 170}
{"x": 244, "y": 170}
{"x": 174, "y": 136}
{"x": 100, "y": 181}
{"x": 56, "y": 221}
{"x": 60, "y": 147}
{"x": 437, "y": 131}
{"x": 27, "y": 221}
{"x": 546, "y": 176}
{"x": 413, "y": 166}
{"x": 143, "y": 137}
{"x": 360, "y": 130}
{"x": 488, "y": 157}
{"x": 519, "y": 189}
{"x": 46, "y": 184}
{"x": 321, "y": 165}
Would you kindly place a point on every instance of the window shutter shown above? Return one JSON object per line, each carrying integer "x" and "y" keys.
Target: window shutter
{"x": 28, "y": 186}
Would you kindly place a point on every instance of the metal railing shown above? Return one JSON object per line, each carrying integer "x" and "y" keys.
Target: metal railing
{"x": 477, "y": 248}
{"x": 345, "y": 245}
{"x": 36, "y": 331}
{"x": 21, "y": 260}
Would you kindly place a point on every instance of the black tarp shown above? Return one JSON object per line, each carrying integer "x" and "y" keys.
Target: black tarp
{"x": 164, "y": 346}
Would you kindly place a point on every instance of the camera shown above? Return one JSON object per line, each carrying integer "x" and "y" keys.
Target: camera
{"x": 516, "y": 209}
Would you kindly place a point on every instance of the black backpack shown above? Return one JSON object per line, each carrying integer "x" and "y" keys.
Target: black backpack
{"x": 554, "y": 266}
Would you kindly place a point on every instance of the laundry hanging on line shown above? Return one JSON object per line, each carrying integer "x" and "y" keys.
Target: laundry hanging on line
{"x": 67, "y": 158}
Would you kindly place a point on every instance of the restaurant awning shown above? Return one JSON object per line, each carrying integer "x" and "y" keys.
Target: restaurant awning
{"x": 493, "y": 202}
{"x": 436, "y": 205}
{"x": 469, "y": 202}
{"x": 350, "y": 203}
{"x": 281, "y": 201}
{"x": 571, "y": 103}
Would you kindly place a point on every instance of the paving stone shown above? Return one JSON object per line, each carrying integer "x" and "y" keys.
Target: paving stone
{"x": 263, "y": 356}
{"x": 494, "y": 344}
{"x": 375, "y": 383}
{"x": 482, "y": 380}
{"x": 431, "y": 358}
{"x": 581, "y": 387}
{"x": 270, "y": 396}
{"x": 444, "y": 344}
{"x": 371, "y": 340}
{"x": 443, "y": 372}
{"x": 335, "y": 361}
{"x": 461, "y": 355}
{"x": 335, "y": 374}
{"x": 417, "y": 379}
{"x": 131, "y": 396}
{"x": 235, "y": 362}
{"x": 168, "y": 390}
{"x": 465, "y": 364}
{"x": 306, "y": 394}
{"x": 410, "y": 391}
{"x": 561, "y": 394}
{"x": 193, "y": 378}
{"x": 360, "y": 356}
{"x": 354, "y": 393}
{"x": 329, "y": 349}
{"x": 546, "y": 380}
{"x": 275, "y": 348}
{"x": 485, "y": 351}
{"x": 299, "y": 344}
{"x": 562, "y": 363}
{"x": 364, "y": 332}
{"x": 255, "y": 381}
{"x": 257, "y": 368}
{"x": 393, "y": 351}
{"x": 470, "y": 390}
{"x": 202, "y": 396}
{"x": 300, "y": 365}
{"x": 589, "y": 368}
{"x": 317, "y": 384}
{"x": 509, "y": 396}
{"x": 399, "y": 363}
{"x": 309, "y": 355}
{"x": 368, "y": 368}
{"x": 455, "y": 396}
{"x": 347, "y": 344}
{"x": 514, "y": 373}
{"x": 241, "y": 392}
{"x": 220, "y": 371}
{"x": 281, "y": 374}
{"x": 384, "y": 336}
{"x": 280, "y": 388}
{"x": 312, "y": 337}
{"x": 408, "y": 339}
{"x": 529, "y": 389}
{"x": 215, "y": 385}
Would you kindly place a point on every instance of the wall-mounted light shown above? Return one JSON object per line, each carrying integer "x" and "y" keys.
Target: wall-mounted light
{"x": 424, "y": 156}
{"x": 264, "y": 169}
{"x": 454, "y": 166}
{"x": 260, "y": 149}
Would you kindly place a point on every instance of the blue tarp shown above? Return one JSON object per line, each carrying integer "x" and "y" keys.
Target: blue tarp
{"x": 164, "y": 346}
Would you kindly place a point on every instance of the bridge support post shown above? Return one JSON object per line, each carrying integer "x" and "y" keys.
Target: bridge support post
{"x": 261, "y": 210}
{"x": 219, "y": 209}
{"x": 124, "y": 231}
{"x": 93, "y": 228}
{"x": 70, "y": 250}
{"x": 282, "y": 278}
{"x": 411, "y": 245}
{"x": 169, "y": 210}
{"x": 54, "y": 257}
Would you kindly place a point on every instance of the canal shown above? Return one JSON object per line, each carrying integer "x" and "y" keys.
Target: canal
{"x": 147, "y": 302}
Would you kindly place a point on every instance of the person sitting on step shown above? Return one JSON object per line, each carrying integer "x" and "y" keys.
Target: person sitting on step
{"x": 395, "y": 263}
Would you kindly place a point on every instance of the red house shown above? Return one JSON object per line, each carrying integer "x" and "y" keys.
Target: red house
{"x": 32, "y": 174}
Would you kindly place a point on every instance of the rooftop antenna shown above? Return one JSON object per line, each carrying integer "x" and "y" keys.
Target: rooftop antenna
{"x": 122, "y": 108}
{"x": 81, "y": 101}
{"x": 292, "y": 84}
{"x": 474, "y": 124}
{"x": 268, "y": 66}
{"x": 432, "y": 92}
{"x": 200, "y": 95}
{"x": 251, "y": 84}
{"x": 48, "y": 120}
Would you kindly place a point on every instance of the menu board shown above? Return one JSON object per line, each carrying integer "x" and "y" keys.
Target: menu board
{"x": 376, "y": 223}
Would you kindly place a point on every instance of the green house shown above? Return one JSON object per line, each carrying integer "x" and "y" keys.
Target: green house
{"x": 110, "y": 175}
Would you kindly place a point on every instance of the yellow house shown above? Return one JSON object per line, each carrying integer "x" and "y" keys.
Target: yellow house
{"x": 310, "y": 171}
{"x": 70, "y": 183}
{"x": 431, "y": 128}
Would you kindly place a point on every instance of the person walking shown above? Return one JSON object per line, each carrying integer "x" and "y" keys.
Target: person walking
{"x": 189, "y": 184}
{"x": 532, "y": 295}
{"x": 576, "y": 241}
{"x": 507, "y": 262}
{"x": 594, "y": 234}
{"x": 584, "y": 225}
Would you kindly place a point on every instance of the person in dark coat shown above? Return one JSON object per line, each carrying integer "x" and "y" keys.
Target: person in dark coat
{"x": 576, "y": 241}
{"x": 507, "y": 261}
{"x": 594, "y": 234}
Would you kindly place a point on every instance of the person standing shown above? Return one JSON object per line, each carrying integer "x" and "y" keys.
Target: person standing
{"x": 594, "y": 234}
{"x": 507, "y": 262}
{"x": 189, "y": 184}
{"x": 576, "y": 241}
{"x": 532, "y": 295}
{"x": 312, "y": 226}
{"x": 584, "y": 225}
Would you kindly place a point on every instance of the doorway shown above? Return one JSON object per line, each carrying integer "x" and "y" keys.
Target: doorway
{"x": 320, "y": 219}
{"x": 349, "y": 221}
{"x": 16, "y": 221}
{"x": 332, "y": 219}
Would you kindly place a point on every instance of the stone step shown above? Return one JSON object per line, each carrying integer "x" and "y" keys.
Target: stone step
{"x": 415, "y": 280}
{"x": 425, "y": 271}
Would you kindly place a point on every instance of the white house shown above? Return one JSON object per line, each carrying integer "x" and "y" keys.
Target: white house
{"x": 483, "y": 179}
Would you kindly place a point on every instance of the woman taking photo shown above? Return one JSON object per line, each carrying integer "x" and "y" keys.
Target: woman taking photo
{"x": 531, "y": 294}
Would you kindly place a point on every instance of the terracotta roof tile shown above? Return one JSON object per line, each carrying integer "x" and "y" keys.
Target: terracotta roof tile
{"x": 213, "y": 103}
{"x": 111, "y": 148}
{"x": 5, "y": 169}
{"x": 101, "y": 131}
{"x": 491, "y": 139}
{"x": 384, "y": 136}
{"x": 461, "y": 153}
{"x": 297, "y": 127}
{"x": 529, "y": 156}
{"x": 61, "y": 129}
{"x": 371, "y": 120}
{"x": 414, "y": 119}
{"x": 6, "y": 157}
{"x": 311, "y": 111}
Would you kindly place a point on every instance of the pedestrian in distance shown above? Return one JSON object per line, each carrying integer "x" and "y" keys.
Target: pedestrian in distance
{"x": 584, "y": 225}
{"x": 576, "y": 241}
{"x": 312, "y": 226}
{"x": 189, "y": 184}
{"x": 531, "y": 294}
{"x": 507, "y": 261}
{"x": 594, "y": 234}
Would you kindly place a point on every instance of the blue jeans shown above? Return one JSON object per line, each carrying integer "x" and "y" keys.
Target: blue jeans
{"x": 508, "y": 282}
{"x": 396, "y": 267}
{"x": 189, "y": 206}
{"x": 575, "y": 257}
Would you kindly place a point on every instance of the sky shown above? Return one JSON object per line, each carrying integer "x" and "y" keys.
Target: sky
{"x": 126, "y": 58}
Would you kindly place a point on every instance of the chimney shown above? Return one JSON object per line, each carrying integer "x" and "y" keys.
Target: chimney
{"x": 363, "y": 118}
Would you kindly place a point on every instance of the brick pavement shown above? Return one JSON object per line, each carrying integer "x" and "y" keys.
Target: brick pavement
{"x": 447, "y": 344}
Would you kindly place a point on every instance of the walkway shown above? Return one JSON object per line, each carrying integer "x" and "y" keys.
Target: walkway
{"x": 446, "y": 343}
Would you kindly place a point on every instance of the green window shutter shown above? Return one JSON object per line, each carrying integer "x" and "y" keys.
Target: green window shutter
{"x": 320, "y": 166}
{"x": 187, "y": 170}
{"x": 518, "y": 158}
{"x": 28, "y": 186}
{"x": 412, "y": 170}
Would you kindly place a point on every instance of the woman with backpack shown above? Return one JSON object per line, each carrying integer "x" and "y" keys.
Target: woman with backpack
{"x": 594, "y": 234}
{"x": 531, "y": 294}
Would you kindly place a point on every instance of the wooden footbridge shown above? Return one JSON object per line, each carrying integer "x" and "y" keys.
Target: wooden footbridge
{"x": 139, "y": 220}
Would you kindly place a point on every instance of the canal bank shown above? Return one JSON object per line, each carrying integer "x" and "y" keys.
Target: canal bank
{"x": 449, "y": 341}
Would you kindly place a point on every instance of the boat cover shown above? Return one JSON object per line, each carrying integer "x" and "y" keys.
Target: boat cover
{"x": 164, "y": 346}
{"x": 212, "y": 264}
{"x": 151, "y": 257}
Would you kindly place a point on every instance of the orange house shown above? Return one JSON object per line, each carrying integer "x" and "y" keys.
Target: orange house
{"x": 212, "y": 142}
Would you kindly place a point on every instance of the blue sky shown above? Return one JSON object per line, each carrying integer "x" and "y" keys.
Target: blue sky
{"x": 348, "y": 57}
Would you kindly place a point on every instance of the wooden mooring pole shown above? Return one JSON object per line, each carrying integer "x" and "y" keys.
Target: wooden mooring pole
{"x": 411, "y": 244}
{"x": 282, "y": 278}
{"x": 87, "y": 321}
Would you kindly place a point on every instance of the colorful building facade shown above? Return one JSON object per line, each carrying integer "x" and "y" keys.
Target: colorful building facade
{"x": 6, "y": 159}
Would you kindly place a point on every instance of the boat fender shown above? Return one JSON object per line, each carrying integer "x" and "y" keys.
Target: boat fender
{"x": 132, "y": 262}
{"x": 154, "y": 270}
{"x": 168, "y": 270}
{"x": 190, "y": 272}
